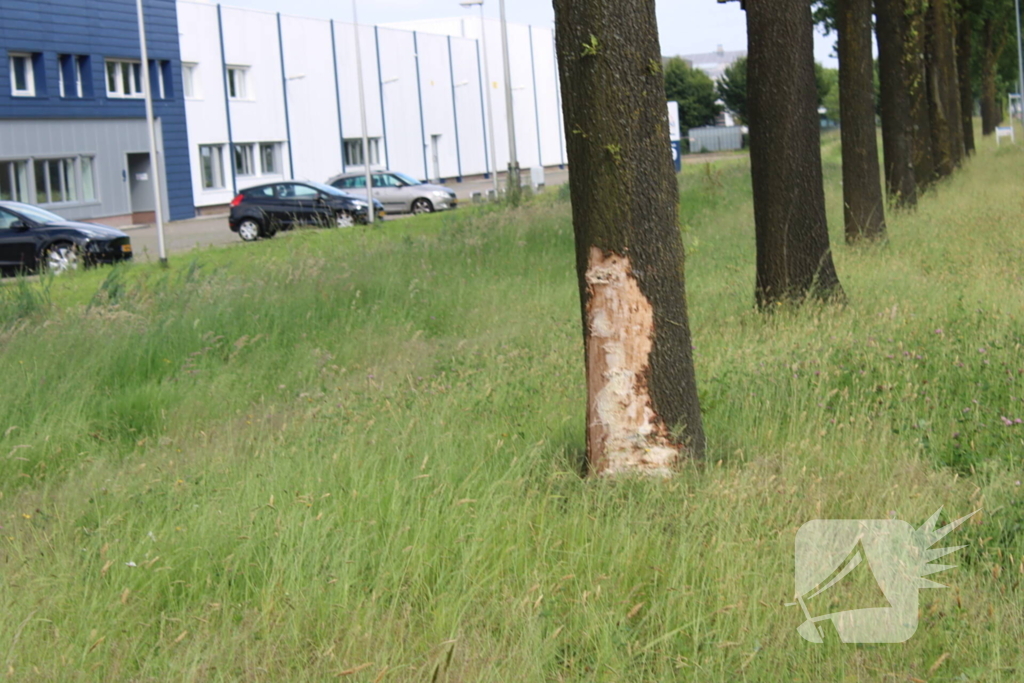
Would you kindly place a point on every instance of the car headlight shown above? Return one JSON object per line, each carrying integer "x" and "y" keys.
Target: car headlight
{"x": 440, "y": 193}
{"x": 359, "y": 205}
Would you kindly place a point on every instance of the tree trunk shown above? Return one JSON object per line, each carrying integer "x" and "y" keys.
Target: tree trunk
{"x": 991, "y": 50}
{"x": 897, "y": 126}
{"x": 964, "y": 48}
{"x": 863, "y": 208}
{"x": 917, "y": 88}
{"x": 943, "y": 96}
{"x": 794, "y": 258}
{"x": 642, "y": 408}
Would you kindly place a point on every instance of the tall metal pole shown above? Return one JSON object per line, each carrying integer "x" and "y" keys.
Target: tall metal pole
{"x": 154, "y": 164}
{"x": 512, "y": 183}
{"x": 1020, "y": 64}
{"x": 370, "y": 212}
{"x": 490, "y": 107}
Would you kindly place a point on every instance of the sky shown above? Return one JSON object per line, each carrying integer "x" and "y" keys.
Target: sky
{"x": 686, "y": 26}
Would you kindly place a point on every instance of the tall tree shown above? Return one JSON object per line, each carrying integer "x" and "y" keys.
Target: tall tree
{"x": 994, "y": 19}
{"x": 794, "y": 258}
{"x": 943, "y": 92}
{"x": 964, "y": 52}
{"x": 917, "y": 88}
{"x": 897, "y": 126}
{"x": 863, "y": 207}
{"x": 642, "y": 408}
{"x": 732, "y": 88}
{"x": 694, "y": 91}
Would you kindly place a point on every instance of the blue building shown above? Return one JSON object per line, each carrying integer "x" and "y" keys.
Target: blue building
{"x": 72, "y": 116}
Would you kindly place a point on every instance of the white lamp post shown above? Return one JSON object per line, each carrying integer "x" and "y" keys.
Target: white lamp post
{"x": 154, "y": 164}
{"x": 512, "y": 182}
{"x": 490, "y": 109}
{"x": 371, "y": 214}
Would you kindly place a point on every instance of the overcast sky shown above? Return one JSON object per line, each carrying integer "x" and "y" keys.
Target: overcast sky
{"x": 686, "y": 26}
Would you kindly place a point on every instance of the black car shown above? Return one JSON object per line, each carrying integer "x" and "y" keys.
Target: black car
{"x": 263, "y": 210}
{"x": 33, "y": 239}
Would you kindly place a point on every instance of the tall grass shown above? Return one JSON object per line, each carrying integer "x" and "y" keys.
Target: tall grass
{"x": 356, "y": 453}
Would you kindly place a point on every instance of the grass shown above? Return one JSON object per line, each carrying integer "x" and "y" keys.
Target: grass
{"x": 355, "y": 453}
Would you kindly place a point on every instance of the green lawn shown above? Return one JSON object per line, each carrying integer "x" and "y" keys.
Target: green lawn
{"x": 357, "y": 452}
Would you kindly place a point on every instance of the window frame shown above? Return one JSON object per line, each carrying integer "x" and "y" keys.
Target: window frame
{"x": 216, "y": 168}
{"x": 189, "y": 82}
{"x": 274, "y": 149}
{"x": 239, "y": 84}
{"x": 29, "y": 74}
{"x": 19, "y": 184}
{"x": 244, "y": 152}
{"x": 134, "y": 83}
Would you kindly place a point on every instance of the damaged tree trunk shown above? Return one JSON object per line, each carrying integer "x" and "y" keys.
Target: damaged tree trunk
{"x": 794, "y": 259}
{"x": 897, "y": 126}
{"x": 642, "y": 408}
{"x": 863, "y": 207}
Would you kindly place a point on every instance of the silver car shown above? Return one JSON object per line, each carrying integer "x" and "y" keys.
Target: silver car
{"x": 398, "y": 192}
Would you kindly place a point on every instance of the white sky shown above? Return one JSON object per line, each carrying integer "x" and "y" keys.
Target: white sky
{"x": 686, "y": 26}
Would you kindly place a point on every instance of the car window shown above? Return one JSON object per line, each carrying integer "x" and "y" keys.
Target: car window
{"x": 39, "y": 215}
{"x": 295, "y": 191}
{"x": 7, "y": 219}
{"x": 408, "y": 180}
{"x": 385, "y": 180}
{"x": 258, "y": 192}
{"x": 345, "y": 182}
{"x": 359, "y": 181}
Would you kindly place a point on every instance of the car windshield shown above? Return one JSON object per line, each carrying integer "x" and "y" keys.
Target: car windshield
{"x": 36, "y": 214}
{"x": 408, "y": 180}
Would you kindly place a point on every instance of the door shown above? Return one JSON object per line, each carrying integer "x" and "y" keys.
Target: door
{"x": 297, "y": 204}
{"x": 140, "y": 188}
{"x": 435, "y": 144}
{"x": 17, "y": 245}
{"x": 388, "y": 191}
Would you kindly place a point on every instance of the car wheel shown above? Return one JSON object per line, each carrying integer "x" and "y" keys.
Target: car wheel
{"x": 61, "y": 258}
{"x": 422, "y": 205}
{"x": 344, "y": 219}
{"x": 249, "y": 230}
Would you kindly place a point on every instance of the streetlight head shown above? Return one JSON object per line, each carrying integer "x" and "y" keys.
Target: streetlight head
{"x": 471, "y": 3}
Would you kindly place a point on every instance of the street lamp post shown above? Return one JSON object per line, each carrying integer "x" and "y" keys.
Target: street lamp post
{"x": 371, "y": 214}
{"x": 1020, "y": 63}
{"x": 154, "y": 163}
{"x": 490, "y": 109}
{"x": 512, "y": 183}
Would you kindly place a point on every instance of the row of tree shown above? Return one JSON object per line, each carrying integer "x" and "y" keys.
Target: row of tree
{"x": 642, "y": 407}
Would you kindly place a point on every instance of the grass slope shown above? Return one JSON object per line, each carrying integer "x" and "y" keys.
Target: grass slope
{"x": 355, "y": 453}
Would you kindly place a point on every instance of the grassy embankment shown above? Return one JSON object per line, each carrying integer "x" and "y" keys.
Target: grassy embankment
{"x": 356, "y": 452}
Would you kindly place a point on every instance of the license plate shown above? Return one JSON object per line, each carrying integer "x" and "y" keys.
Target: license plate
{"x": 126, "y": 248}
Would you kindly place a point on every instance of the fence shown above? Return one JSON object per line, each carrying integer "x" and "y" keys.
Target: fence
{"x": 716, "y": 138}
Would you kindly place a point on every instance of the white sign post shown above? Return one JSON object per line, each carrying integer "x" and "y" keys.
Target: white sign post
{"x": 674, "y": 135}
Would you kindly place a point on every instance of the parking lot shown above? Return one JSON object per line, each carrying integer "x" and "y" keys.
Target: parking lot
{"x": 209, "y": 231}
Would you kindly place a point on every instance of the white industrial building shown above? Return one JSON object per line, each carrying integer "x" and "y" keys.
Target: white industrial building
{"x": 271, "y": 96}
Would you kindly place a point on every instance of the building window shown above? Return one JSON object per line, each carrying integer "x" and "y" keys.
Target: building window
{"x": 88, "y": 179}
{"x": 14, "y": 181}
{"x": 244, "y": 164}
{"x": 354, "y": 151}
{"x": 23, "y": 82}
{"x": 55, "y": 181}
{"x": 124, "y": 79}
{"x": 189, "y": 80}
{"x": 69, "y": 73}
{"x": 237, "y": 82}
{"x": 268, "y": 157}
{"x": 211, "y": 158}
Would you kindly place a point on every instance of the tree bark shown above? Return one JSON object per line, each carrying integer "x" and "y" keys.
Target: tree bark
{"x": 943, "y": 95}
{"x": 642, "y": 409}
{"x": 897, "y": 125}
{"x": 964, "y": 47}
{"x": 917, "y": 88}
{"x": 794, "y": 259}
{"x": 991, "y": 50}
{"x": 863, "y": 207}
